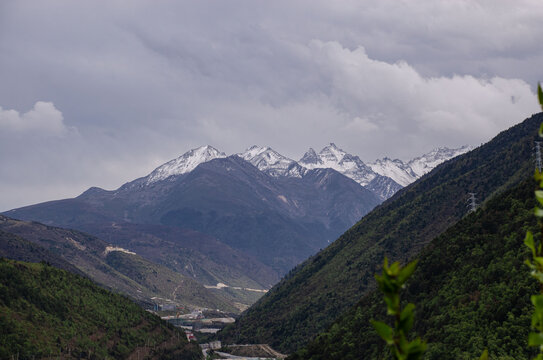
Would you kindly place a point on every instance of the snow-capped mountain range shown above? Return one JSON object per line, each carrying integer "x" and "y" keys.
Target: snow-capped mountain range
{"x": 383, "y": 176}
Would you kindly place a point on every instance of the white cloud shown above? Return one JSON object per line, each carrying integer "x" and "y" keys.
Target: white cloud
{"x": 404, "y": 103}
{"x": 44, "y": 118}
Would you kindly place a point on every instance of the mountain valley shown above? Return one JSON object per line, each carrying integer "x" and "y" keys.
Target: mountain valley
{"x": 241, "y": 221}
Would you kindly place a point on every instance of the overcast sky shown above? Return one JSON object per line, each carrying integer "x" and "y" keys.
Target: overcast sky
{"x": 97, "y": 93}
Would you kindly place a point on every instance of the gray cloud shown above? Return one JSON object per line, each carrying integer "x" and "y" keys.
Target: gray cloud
{"x": 142, "y": 82}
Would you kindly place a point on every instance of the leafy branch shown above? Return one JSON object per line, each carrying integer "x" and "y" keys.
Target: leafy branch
{"x": 390, "y": 283}
{"x": 536, "y": 263}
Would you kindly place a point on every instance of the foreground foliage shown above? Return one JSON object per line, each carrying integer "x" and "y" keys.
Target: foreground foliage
{"x": 536, "y": 263}
{"x": 390, "y": 283}
{"x": 48, "y": 312}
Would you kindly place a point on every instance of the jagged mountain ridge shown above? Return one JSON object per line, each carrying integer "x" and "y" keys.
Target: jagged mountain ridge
{"x": 270, "y": 161}
{"x": 368, "y": 175}
{"x": 351, "y": 166}
{"x": 383, "y": 177}
{"x": 335, "y": 158}
{"x": 404, "y": 173}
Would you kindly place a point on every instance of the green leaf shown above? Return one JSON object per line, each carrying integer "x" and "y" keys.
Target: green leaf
{"x": 484, "y": 355}
{"x": 539, "y": 196}
{"x": 394, "y": 269}
{"x": 385, "y": 262}
{"x": 416, "y": 349}
{"x": 406, "y": 272}
{"x": 537, "y": 301}
{"x": 538, "y": 275}
{"x": 540, "y": 97}
{"x": 384, "y": 331}
{"x": 529, "y": 241}
{"x": 538, "y": 212}
{"x": 407, "y": 317}
{"x": 535, "y": 339}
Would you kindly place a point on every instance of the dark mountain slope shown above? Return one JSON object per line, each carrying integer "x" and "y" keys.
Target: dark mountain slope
{"x": 308, "y": 300}
{"x": 46, "y": 312}
{"x": 278, "y": 220}
{"x": 16, "y": 248}
{"x": 471, "y": 288}
{"x": 188, "y": 252}
{"x": 123, "y": 272}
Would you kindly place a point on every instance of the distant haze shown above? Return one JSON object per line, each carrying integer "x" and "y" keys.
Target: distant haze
{"x": 98, "y": 93}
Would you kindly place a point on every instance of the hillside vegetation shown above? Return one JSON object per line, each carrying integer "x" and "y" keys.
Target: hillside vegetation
{"x": 16, "y": 248}
{"x": 46, "y": 312}
{"x": 317, "y": 292}
{"x": 123, "y": 272}
{"x": 471, "y": 288}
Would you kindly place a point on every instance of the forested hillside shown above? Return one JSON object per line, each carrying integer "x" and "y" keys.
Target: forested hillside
{"x": 16, "y": 248}
{"x": 471, "y": 288}
{"x": 317, "y": 292}
{"x": 46, "y": 312}
{"x": 112, "y": 268}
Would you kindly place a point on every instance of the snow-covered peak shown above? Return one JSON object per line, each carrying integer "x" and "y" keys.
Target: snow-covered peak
{"x": 423, "y": 164}
{"x": 331, "y": 155}
{"x": 395, "y": 169}
{"x": 406, "y": 173}
{"x": 335, "y": 158}
{"x": 185, "y": 163}
{"x": 268, "y": 160}
{"x": 310, "y": 158}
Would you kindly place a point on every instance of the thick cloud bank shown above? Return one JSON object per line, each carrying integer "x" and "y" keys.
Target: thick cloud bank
{"x": 394, "y": 99}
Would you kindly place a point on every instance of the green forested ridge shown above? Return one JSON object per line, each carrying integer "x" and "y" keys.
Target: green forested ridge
{"x": 48, "y": 312}
{"x": 317, "y": 292}
{"x": 471, "y": 289}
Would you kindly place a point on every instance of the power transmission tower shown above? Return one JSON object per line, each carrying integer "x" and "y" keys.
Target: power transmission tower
{"x": 538, "y": 155}
{"x": 472, "y": 202}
